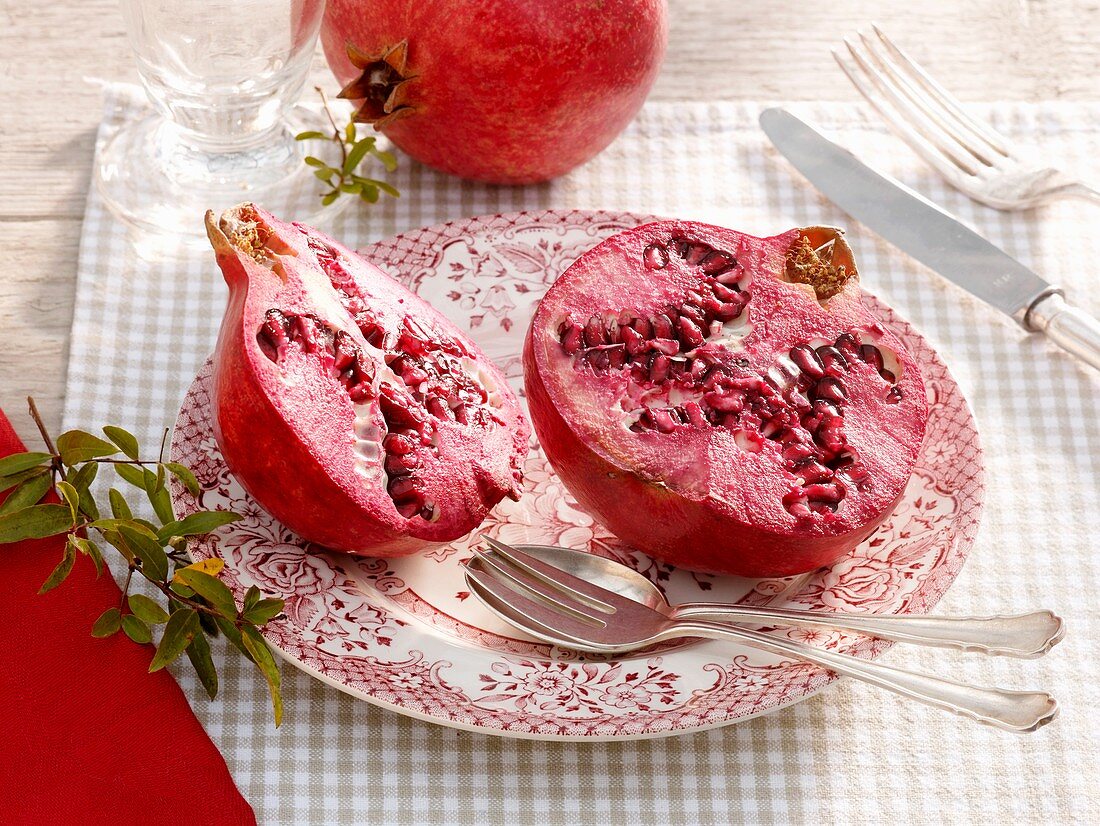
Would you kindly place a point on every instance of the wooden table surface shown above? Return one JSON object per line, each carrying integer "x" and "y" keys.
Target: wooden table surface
{"x": 982, "y": 50}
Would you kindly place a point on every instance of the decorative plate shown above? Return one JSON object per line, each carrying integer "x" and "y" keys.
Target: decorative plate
{"x": 405, "y": 633}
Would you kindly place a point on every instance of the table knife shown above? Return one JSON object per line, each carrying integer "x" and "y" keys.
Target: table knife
{"x": 933, "y": 236}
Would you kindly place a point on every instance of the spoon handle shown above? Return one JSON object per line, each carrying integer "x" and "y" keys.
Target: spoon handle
{"x": 1015, "y": 635}
{"x": 1017, "y": 711}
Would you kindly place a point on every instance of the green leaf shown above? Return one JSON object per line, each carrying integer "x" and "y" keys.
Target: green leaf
{"x": 27, "y": 493}
{"x": 154, "y": 562}
{"x": 134, "y": 475}
{"x": 388, "y": 159}
{"x": 18, "y": 478}
{"x": 351, "y": 189}
{"x": 389, "y": 190}
{"x": 324, "y": 174}
{"x": 184, "y": 474}
{"x": 35, "y": 522}
{"x": 71, "y": 497}
{"x": 251, "y": 597}
{"x": 330, "y": 197}
{"x": 77, "y": 446}
{"x": 261, "y": 655}
{"x": 108, "y": 623}
{"x": 356, "y": 155}
{"x": 147, "y": 609}
{"x": 181, "y": 589}
{"x": 210, "y": 588}
{"x": 198, "y": 652}
{"x": 17, "y": 462}
{"x": 213, "y": 566}
{"x": 116, "y": 540}
{"x": 181, "y": 629}
{"x": 264, "y": 611}
{"x": 349, "y": 132}
{"x": 198, "y": 524}
{"x": 82, "y": 481}
{"x": 136, "y": 629}
{"x": 311, "y": 136}
{"x": 369, "y": 194}
{"x": 63, "y": 569}
{"x": 89, "y": 549}
{"x": 124, "y": 439}
{"x": 119, "y": 508}
{"x": 317, "y": 162}
{"x": 161, "y": 500}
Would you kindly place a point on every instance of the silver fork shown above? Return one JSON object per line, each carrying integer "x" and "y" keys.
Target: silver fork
{"x": 970, "y": 154}
{"x": 559, "y": 608}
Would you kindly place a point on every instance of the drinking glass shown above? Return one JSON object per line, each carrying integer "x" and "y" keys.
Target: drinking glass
{"x": 224, "y": 77}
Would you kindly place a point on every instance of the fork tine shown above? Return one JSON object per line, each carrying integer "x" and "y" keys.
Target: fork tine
{"x": 524, "y": 612}
{"x": 573, "y": 586}
{"x": 536, "y": 588}
{"x": 943, "y": 164}
{"x": 941, "y": 120}
{"x": 982, "y": 130}
{"x": 902, "y": 113}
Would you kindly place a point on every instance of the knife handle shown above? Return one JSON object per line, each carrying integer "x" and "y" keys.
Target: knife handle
{"x": 1074, "y": 330}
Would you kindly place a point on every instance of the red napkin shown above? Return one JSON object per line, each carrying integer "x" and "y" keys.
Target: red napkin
{"x": 87, "y": 734}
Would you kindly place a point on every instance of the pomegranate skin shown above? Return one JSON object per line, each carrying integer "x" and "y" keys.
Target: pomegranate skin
{"x": 503, "y": 91}
{"x": 288, "y": 429}
{"x": 703, "y": 496}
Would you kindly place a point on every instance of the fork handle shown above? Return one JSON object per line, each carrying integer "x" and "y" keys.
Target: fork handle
{"x": 1017, "y": 711}
{"x": 1074, "y": 330}
{"x": 1016, "y": 635}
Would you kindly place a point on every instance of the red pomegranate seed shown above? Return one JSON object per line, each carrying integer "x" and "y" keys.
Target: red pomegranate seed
{"x": 633, "y": 341}
{"x": 663, "y": 420}
{"x": 662, "y": 326}
{"x": 718, "y": 262}
{"x": 848, "y": 343}
{"x": 655, "y": 257}
{"x": 594, "y": 333}
{"x": 831, "y": 389}
{"x": 832, "y": 359}
{"x": 668, "y": 346}
{"x": 571, "y": 339}
{"x": 807, "y": 360}
{"x": 643, "y": 327}
{"x": 872, "y": 355}
{"x": 658, "y": 370}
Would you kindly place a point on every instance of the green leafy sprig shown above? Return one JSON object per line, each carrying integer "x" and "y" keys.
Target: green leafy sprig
{"x": 196, "y": 606}
{"x": 354, "y": 150}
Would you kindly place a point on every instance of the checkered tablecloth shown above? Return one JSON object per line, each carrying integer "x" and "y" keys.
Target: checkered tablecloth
{"x": 145, "y": 320}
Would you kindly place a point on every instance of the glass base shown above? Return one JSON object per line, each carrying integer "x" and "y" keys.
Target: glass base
{"x": 158, "y": 182}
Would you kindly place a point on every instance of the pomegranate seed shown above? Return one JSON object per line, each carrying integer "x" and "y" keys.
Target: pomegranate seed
{"x": 398, "y": 443}
{"x": 663, "y": 420}
{"x": 668, "y": 346}
{"x": 797, "y": 452}
{"x": 695, "y": 414}
{"x": 731, "y": 403}
{"x": 831, "y": 389}
{"x": 616, "y": 357}
{"x": 690, "y": 333}
{"x": 832, "y": 358}
{"x": 694, "y": 313}
{"x": 571, "y": 339}
{"x": 598, "y": 359}
{"x": 655, "y": 257}
{"x": 831, "y": 492}
{"x": 730, "y": 277}
{"x": 724, "y": 293}
{"x": 401, "y": 464}
{"x": 696, "y": 252}
{"x": 401, "y": 486}
{"x": 887, "y": 376}
{"x": 437, "y": 407}
{"x": 594, "y": 334}
{"x": 643, "y": 327}
{"x": 408, "y": 508}
{"x": 359, "y": 392}
{"x": 894, "y": 396}
{"x": 662, "y": 326}
{"x": 814, "y": 472}
{"x": 872, "y": 355}
{"x": 848, "y": 343}
{"x": 807, "y": 360}
{"x": 658, "y": 371}
{"x": 729, "y": 311}
{"x": 718, "y": 262}
{"x": 633, "y": 340}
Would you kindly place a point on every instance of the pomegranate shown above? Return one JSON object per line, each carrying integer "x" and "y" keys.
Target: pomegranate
{"x": 352, "y": 411}
{"x": 506, "y": 91}
{"x": 723, "y": 402}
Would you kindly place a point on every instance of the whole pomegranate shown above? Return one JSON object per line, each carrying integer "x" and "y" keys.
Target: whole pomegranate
{"x": 724, "y": 402}
{"x": 349, "y": 409}
{"x": 506, "y": 91}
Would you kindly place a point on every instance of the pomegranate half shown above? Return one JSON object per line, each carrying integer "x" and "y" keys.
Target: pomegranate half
{"x": 505, "y": 91}
{"x": 351, "y": 410}
{"x": 723, "y": 402}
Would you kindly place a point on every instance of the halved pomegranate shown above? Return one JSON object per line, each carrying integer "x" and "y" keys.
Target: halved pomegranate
{"x": 723, "y": 402}
{"x": 350, "y": 409}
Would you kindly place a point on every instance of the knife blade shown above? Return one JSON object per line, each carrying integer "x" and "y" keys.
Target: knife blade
{"x": 933, "y": 236}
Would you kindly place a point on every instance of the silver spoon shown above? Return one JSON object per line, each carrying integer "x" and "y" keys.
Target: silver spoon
{"x": 1013, "y": 635}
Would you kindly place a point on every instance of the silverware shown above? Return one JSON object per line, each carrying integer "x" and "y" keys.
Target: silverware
{"x": 553, "y": 605}
{"x": 933, "y": 236}
{"x": 969, "y": 153}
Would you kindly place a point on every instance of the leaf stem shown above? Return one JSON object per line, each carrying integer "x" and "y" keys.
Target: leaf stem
{"x": 41, "y": 426}
{"x": 336, "y": 136}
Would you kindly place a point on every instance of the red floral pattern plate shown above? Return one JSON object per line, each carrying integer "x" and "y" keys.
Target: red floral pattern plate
{"x": 406, "y": 634}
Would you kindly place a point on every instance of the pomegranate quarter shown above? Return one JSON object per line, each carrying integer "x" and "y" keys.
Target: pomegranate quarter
{"x": 722, "y": 402}
{"x": 351, "y": 410}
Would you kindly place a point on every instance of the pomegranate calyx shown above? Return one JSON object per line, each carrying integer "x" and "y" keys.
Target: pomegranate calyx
{"x": 382, "y": 86}
{"x": 821, "y": 258}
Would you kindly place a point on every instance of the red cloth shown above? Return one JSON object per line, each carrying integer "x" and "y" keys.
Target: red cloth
{"x": 87, "y": 735}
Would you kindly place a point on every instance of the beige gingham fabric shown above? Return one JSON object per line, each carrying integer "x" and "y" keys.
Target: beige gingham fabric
{"x": 853, "y": 754}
